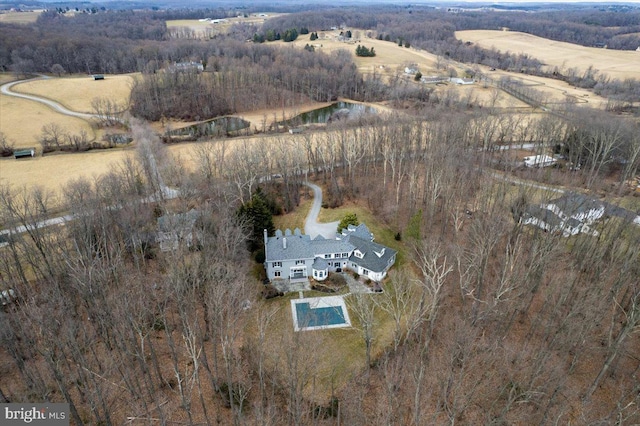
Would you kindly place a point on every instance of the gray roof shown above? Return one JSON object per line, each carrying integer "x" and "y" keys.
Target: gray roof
{"x": 545, "y": 215}
{"x": 331, "y": 246}
{"x": 573, "y": 223}
{"x": 178, "y": 222}
{"x": 360, "y": 231}
{"x": 371, "y": 260}
{"x": 297, "y": 247}
{"x": 320, "y": 264}
{"x": 573, "y": 203}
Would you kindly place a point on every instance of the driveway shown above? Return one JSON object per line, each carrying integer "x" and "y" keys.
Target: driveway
{"x": 6, "y": 90}
{"x": 311, "y": 225}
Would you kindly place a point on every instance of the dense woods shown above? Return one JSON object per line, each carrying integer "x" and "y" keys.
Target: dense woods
{"x": 250, "y": 76}
{"x": 496, "y": 322}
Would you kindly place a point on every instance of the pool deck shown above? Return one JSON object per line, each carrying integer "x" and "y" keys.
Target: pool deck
{"x": 320, "y": 302}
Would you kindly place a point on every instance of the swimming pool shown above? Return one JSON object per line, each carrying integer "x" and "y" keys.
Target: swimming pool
{"x": 319, "y": 313}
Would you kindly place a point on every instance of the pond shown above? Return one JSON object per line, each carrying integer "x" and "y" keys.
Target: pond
{"x": 335, "y": 111}
{"x": 220, "y": 126}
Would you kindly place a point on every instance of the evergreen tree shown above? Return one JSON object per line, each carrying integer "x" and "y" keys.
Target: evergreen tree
{"x": 349, "y": 219}
{"x": 258, "y": 216}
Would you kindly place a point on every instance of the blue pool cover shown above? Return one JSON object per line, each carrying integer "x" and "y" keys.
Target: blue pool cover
{"x": 318, "y": 317}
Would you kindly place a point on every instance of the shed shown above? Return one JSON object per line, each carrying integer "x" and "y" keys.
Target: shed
{"x": 98, "y": 76}
{"x": 539, "y": 161}
{"x": 24, "y": 153}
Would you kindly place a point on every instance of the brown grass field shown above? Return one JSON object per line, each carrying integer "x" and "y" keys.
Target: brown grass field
{"x": 21, "y": 121}
{"x": 76, "y": 93}
{"x": 12, "y": 17}
{"x": 204, "y": 29}
{"x": 52, "y": 172}
{"x": 615, "y": 63}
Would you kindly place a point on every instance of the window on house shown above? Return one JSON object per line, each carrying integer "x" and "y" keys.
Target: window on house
{"x": 276, "y": 274}
{"x": 299, "y": 262}
{"x": 277, "y": 264}
{"x": 327, "y": 256}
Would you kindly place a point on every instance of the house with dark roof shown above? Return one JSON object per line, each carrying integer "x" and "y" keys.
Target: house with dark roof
{"x": 174, "y": 229}
{"x": 295, "y": 256}
{"x": 573, "y": 213}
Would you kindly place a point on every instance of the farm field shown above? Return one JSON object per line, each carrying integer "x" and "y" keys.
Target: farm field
{"x": 21, "y": 121}
{"x": 615, "y": 63}
{"x": 391, "y": 59}
{"x": 12, "y": 17}
{"x": 77, "y": 93}
{"x": 205, "y": 29}
{"x": 52, "y": 172}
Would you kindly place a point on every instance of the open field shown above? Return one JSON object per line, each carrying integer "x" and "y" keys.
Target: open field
{"x": 52, "y": 172}
{"x": 205, "y": 29}
{"x": 21, "y": 121}
{"x": 615, "y": 63}
{"x": 391, "y": 59}
{"x": 12, "y": 17}
{"x": 77, "y": 93}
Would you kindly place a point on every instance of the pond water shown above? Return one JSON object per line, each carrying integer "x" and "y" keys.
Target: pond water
{"x": 337, "y": 110}
{"x": 220, "y": 126}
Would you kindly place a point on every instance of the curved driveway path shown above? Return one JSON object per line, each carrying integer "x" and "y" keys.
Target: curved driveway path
{"x": 311, "y": 225}
{"x": 6, "y": 90}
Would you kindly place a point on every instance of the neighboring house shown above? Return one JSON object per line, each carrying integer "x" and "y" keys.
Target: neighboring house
{"x": 410, "y": 70}
{"x": 573, "y": 213}
{"x": 539, "y": 161}
{"x": 294, "y": 256}
{"x": 175, "y": 229}
{"x": 186, "y": 67}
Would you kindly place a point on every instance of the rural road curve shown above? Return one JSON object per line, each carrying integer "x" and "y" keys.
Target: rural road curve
{"x": 311, "y": 225}
{"x": 6, "y": 90}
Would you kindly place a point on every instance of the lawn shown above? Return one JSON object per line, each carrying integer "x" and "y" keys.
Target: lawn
{"x": 327, "y": 359}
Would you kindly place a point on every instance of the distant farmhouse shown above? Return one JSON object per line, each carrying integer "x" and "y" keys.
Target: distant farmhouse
{"x": 294, "y": 256}
{"x": 186, "y": 67}
{"x": 573, "y": 214}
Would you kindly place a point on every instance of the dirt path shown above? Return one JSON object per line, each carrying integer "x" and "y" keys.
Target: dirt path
{"x": 311, "y": 225}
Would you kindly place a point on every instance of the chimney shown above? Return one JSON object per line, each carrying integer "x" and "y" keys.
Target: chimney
{"x": 265, "y": 236}
{"x": 284, "y": 243}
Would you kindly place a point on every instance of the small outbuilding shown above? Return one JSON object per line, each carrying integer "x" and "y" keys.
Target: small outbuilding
{"x": 539, "y": 161}
{"x": 24, "y": 153}
{"x": 98, "y": 76}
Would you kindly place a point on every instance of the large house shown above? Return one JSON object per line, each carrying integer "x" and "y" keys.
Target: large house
{"x": 294, "y": 256}
{"x": 573, "y": 213}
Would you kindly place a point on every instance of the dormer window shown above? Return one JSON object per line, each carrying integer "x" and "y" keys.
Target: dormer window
{"x": 358, "y": 254}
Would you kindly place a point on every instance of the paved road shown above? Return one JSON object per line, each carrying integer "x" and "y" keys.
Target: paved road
{"x": 311, "y": 225}
{"x": 6, "y": 90}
